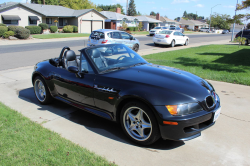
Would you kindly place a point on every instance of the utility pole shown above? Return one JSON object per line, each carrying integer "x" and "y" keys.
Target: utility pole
{"x": 127, "y": 8}
{"x": 210, "y": 17}
{"x": 234, "y": 23}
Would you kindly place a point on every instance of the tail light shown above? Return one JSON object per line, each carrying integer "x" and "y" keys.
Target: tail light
{"x": 89, "y": 39}
{"x": 167, "y": 36}
{"x": 104, "y": 41}
{"x": 154, "y": 35}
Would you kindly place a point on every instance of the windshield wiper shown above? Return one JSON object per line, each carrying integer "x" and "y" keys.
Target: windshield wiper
{"x": 137, "y": 64}
{"x": 114, "y": 68}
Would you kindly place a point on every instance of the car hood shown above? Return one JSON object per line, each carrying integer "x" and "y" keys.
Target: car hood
{"x": 166, "y": 78}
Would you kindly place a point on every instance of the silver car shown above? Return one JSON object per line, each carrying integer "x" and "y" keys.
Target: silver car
{"x": 110, "y": 36}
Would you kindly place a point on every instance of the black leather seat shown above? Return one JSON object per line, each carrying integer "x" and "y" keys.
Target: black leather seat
{"x": 99, "y": 60}
{"x": 70, "y": 59}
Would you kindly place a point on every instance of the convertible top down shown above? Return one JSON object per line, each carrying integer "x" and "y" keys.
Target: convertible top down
{"x": 114, "y": 82}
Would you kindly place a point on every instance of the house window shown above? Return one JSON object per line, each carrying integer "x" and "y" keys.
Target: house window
{"x": 14, "y": 22}
{"x": 48, "y": 20}
{"x": 33, "y": 19}
{"x": 11, "y": 19}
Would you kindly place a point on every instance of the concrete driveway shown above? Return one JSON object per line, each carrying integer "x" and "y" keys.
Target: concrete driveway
{"x": 225, "y": 143}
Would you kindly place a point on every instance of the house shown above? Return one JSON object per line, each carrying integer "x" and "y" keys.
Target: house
{"x": 115, "y": 20}
{"x": 24, "y": 14}
{"x": 237, "y": 27}
{"x": 164, "y": 20}
{"x": 192, "y": 24}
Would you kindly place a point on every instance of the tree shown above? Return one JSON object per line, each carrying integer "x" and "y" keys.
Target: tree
{"x": 47, "y": 2}
{"x": 152, "y": 13}
{"x": 220, "y": 21}
{"x": 166, "y": 16}
{"x": 111, "y": 8}
{"x": 244, "y": 5}
{"x": 140, "y": 26}
{"x": 131, "y": 8}
{"x": 185, "y": 14}
{"x": 138, "y": 13}
{"x": 191, "y": 16}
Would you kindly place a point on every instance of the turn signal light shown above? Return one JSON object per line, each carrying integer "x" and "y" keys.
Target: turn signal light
{"x": 104, "y": 41}
{"x": 167, "y": 36}
{"x": 170, "y": 123}
{"x": 172, "y": 109}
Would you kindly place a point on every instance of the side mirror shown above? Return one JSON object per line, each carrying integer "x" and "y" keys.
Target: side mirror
{"x": 131, "y": 38}
{"x": 73, "y": 69}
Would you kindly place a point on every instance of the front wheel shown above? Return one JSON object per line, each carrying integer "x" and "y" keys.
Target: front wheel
{"x": 136, "y": 47}
{"x": 186, "y": 43}
{"x": 139, "y": 124}
{"x": 41, "y": 91}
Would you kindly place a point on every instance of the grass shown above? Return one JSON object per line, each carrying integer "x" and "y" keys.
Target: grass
{"x": 140, "y": 33}
{"x": 23, "y": 142}
{"x": 60, "y": 35}
{"x": 226, "y": 63}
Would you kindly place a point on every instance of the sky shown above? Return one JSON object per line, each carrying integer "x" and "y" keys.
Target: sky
{"x": 176, "y": 8}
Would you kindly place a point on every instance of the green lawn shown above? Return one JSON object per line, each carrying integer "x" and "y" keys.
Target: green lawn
{"x": 23, "y": 142}
{"x": 226, "y": 63}
{"x": 60, "y": 35}
{"x": 140, "y": 33}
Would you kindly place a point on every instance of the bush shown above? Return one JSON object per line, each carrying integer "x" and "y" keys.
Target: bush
{"x": 13, "y": 28}
{"x": 241, "y": 40}
{"x": 136, "y": 28}
{"x": 8, "y": 33}
{"x": 22, "y": 33}
{"x": 1, "y": 24}
{"x": 53, "y": 29}
{"x": 68, "y": 29}
{"x": 131, "y": 28}
{"x": 44, "y": 26}
{"x": 75, "y": 28}
{"x": 34, "y": 29}
{"x": 3, "y": 29}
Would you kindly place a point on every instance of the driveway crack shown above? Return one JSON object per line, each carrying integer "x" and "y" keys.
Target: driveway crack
{"x": 235, "y": 118}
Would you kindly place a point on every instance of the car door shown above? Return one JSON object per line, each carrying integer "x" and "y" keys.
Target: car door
{"x": 182, "y": 38}
{"x": 115, "y": 38}
{"x": 126, "y": 39}
{"x": 177, "y": 38}
{"x": 74, "y": 88}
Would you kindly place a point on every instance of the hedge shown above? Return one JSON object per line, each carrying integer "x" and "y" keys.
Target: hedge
{"x": 13, "y": 28}
{"x": 131, "y": 28}
{"x": 3, "y": 29}
{"x": 68, "y": 29}
{"x": 44, "y": 26}
{"x": 1, "y": 24}
{"x": 8, "y": 33}
{"x": 22, "y": 33}
{"x": 53, "y": 29}
{"x": 34, "y": 29}
{"x": 136, "y": 28}
{"x": 75, "y": 28}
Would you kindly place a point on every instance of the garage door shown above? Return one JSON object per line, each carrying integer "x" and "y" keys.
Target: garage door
{"x": 86, "y": 27}
{"x": 96, "y": 25}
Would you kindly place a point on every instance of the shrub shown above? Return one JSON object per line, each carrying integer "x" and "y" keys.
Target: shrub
{"x": 131, "y": 28}
{"x": 3, "y": 29}
{"x": 53, "y": 29}
{"x": 241, "y": 40}
{"x": 68, "y": 29}
{"x": 13, "y": 28}
{"x": 1, "y": 24}
{"x": 8, "y": 33}
{"x": 75, "y": 28}
{"x": 34, "y": 29}
{"x": 44, "y": 26}
{"x": 136, "y": 28}
{"x": 22, "y": 33}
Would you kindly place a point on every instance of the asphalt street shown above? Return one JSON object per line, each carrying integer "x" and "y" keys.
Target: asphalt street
{"x": 13, "y": 56}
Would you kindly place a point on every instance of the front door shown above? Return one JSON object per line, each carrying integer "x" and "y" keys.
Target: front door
{"x": 126, "y": 39}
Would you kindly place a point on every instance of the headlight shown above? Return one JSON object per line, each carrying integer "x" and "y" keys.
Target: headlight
{"x": 184, "y": 109}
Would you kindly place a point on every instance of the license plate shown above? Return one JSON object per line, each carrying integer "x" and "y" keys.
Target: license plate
{"x": 94, "y": 40}
{"x": 159, "y": 40}
{"x": 217, "y": 114}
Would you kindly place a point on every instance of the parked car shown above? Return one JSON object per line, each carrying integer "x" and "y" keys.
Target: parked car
{"x": 157, "y": 30}
{"x": 178, "y": 29}
{"x": 225, "y": 31}
{"x": 204, "y": 29}
{"x": 171, "y": 38}
{"x": 109, "y": 36}
{"x": 246, "y": 34}
{"x": 114, "y": 82}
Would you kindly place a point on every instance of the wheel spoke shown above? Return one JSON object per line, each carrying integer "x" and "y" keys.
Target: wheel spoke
{"x": 141, "y": 132}
{"x": 139, "y": 115}
{"x": 131, "y": 117}
{"x": 132, "y": 127}
{"x": 146, "y": 125}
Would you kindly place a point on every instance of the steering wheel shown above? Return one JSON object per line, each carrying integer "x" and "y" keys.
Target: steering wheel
{"x": 118, "y": 59}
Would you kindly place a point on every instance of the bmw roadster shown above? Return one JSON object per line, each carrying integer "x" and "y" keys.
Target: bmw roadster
{"x": 114, "y": 82}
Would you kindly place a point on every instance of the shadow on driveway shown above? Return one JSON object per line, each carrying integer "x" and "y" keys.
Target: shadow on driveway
{"x": 92, "y": 122}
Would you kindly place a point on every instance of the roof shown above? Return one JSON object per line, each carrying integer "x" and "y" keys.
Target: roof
{"x": 192, "y": 22}
{"x": 164, "y": 19}
{"x": 148, "y": 19}
{"x": 116, "y": 16}
{"x": 50, "y": 10}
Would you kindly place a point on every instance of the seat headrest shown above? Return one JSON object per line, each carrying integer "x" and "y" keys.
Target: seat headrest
{"x": 70, "y": 55}
{"x": 95, "y": 53}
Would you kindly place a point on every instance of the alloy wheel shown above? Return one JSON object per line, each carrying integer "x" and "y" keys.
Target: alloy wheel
{"x": 40, "y": 90}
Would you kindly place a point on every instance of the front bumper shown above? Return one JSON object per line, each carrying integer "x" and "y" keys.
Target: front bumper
{"x": 189, "y": 126}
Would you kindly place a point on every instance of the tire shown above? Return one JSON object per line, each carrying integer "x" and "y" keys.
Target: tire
{"x": 144, "y": 129}
{"x": 156, "y": 44}
{"x": 172, "y": 43}
{"x": 246, "y": 42}
{"x": 186, "y": 43}
{"x": 136, "y": 47}
{"x": 41, "y": 91}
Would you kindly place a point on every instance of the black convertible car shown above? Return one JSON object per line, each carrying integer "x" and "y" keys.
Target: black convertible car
{"x": 114, "y": 82}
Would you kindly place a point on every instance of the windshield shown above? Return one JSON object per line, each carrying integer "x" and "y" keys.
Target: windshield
{"x": 173, "y": 28}
{"x": 114, "y": 57}
{"x": 166, "y": 32}
{"x": 157, "y": 28}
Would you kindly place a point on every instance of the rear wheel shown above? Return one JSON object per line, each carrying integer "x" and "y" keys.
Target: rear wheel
{"x": 156, "y": 44}
{"x": 139, "y": 123}
{"x": 172, "y": 43}
{"x": 186, "y": 43}
{"x": 41, "y": 91}
{"x": 246, "y": 42}
{"x": 136, "y": 47}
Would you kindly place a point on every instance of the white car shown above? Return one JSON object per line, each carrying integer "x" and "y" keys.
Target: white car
{"x": 157, "y": 30}
{"x": 171, "y": 38}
